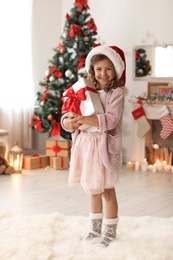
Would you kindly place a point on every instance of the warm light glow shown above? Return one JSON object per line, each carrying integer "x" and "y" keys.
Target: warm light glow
{"x": 130, "y": 165}
{"x": 16, "y": 164}
{"x": 16, "y": 180}
{"x": 164, "y": 163}
{"x": 155, "y": 146}
{"x": 154, "y": 168}
{"x": 137, "y": 165}
{"x": 150, "y": 167}
{"x": 159, "y": 166}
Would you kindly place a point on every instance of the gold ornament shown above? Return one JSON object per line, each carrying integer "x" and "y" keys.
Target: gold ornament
{"x": 62, "y": 50}
{"x": 86, "y": 38}
{"x": 50, "y": 117}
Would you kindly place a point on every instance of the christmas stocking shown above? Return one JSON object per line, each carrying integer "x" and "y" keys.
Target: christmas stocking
{"x": 144, "y": 126}
{"x": 166, "y": 121}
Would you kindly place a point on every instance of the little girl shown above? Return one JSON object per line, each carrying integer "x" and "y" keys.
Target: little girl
{"x": 96, "y": 155}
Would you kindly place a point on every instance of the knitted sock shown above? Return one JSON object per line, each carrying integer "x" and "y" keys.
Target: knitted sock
{"x": 109, "y": 233}
{"x": 95, "y": 226}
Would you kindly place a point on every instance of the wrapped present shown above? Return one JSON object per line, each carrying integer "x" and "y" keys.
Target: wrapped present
{"x": 59, "y": 163}
{"x": 83, "y": 99}
{"x": 35, "y": 161}
{"x": 58, "y": 148}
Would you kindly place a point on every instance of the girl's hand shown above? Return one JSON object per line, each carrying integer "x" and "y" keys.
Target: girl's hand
{"x": 72, "y": 121}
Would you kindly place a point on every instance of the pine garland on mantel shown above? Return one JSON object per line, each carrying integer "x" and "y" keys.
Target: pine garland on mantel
{"x": 151, "y": 101}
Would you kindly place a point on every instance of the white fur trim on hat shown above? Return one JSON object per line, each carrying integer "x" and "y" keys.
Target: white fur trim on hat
{"x": 111, "y": 54}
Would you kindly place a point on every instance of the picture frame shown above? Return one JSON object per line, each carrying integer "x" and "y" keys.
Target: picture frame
{"x": 165, "y": 92}
{"x": 154, "y": 87}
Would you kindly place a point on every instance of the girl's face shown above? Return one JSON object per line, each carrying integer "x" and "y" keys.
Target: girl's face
{"x": 104, "y": 72}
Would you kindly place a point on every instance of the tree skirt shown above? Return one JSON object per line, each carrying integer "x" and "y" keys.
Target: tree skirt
{"x": 55, "y": 236}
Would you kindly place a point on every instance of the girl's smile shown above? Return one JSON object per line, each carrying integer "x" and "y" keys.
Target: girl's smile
{"x": 104, "y": 72}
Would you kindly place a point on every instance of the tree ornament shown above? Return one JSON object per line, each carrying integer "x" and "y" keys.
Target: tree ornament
{"x": 42, "y": 103}
{"x": 61, "y": 59}
{"x": 50, "y": 117}
{"x": 47, "y": 73}
{"x": 68, "y": 73}
{"x": 84, "y": 12}
{"x": 62, "y": 50}
{"x": 52, "y": 78}
{"x": 86, "y": 38}
{"x": 64, "y": 34}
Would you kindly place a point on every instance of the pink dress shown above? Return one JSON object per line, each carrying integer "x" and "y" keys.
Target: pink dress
{"x": 86, "y": 166}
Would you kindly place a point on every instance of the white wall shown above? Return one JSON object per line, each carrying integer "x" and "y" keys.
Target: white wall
{"x": 123, "y": 23}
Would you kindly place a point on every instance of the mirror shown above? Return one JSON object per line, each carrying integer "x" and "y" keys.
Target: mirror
{"x": 153, "y": 62}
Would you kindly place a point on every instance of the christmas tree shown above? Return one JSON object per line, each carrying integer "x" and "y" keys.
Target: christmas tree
{"x": 143, "y": 66}
{"x": 66, "y": 67}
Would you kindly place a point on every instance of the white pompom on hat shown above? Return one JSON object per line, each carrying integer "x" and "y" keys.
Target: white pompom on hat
{"x": 117, "y": 57}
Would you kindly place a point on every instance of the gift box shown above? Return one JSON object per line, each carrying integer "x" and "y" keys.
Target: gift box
{"x": 82, "y": 98}
{"x": 59, "y": 163}
{"x": 35, "y": 161}
{"x": 58, "y": 148}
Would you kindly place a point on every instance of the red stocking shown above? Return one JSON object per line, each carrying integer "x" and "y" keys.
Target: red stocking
{"x": 166, "y": 121}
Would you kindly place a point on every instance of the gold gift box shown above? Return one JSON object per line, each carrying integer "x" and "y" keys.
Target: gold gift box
{"x": 58, "y": 148}
{"x": 59, "y": 163}
{"x": 35, "y": 161}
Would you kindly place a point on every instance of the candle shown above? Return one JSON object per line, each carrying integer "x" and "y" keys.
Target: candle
{"x": 144, "y": 165}
{"x": 150, "y": 167}
{"x": 167, "y": 168}
{"x": 130, "y": 165}
{"x": 137, "y": 166}
{"x": 164, "y": 163}
{"x": 154, "y": 168}
{"x": 159, "y": 166}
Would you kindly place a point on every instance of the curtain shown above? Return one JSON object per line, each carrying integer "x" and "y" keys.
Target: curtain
{"x": 16, "y": 81}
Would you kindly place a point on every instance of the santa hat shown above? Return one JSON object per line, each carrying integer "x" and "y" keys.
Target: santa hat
{"x": 117, "y": 57}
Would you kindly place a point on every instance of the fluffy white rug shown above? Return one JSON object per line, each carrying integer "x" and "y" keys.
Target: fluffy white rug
{"x": 55, "y": 236}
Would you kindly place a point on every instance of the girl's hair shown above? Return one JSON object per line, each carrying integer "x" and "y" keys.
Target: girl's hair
{"x": 115, "y": 83}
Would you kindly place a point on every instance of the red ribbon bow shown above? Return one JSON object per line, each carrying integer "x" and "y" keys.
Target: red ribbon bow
{"x": 38, "y": 123}
{"x": 74, "y": 30}
{"x": 91, "y": 25}
{"x": 44, "y": 97}
{"x": 56, "y": 148}
{"x": 34, "y": 155}
{"x": 73, "y": 100}
{"x": 56, "y": 129}
{"x": 81, "y": 62}
{"x": 67, "y": 16}
{"x": 81, "y": 2}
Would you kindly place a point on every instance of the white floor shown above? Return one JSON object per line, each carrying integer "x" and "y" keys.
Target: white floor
{"x": 46, "y": 191}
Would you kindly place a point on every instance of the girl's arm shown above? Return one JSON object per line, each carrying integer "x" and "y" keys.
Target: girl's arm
{"x": 89, "y": 120}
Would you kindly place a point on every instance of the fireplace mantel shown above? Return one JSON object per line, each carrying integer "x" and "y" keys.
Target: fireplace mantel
{"x": 151, "y": 111}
